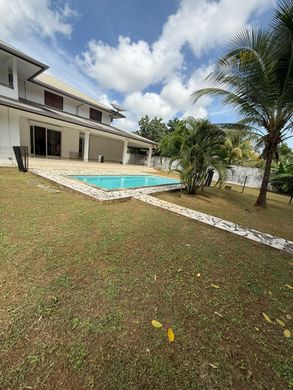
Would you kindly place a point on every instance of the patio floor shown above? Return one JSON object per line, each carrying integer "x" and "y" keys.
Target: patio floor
{"x": 79, "y": 165}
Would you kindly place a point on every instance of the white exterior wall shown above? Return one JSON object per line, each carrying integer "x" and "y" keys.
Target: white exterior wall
{"x": 24, "y": 132}
{"x": 35, "y": 93}
{"x": 9, "y": 134}
{"x": 69, "y": 141}
{"x": 111, "y": 149}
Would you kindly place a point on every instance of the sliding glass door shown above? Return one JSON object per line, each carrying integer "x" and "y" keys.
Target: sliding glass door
{"x": 53, "y": 143}
{"x": 45, "y": 142}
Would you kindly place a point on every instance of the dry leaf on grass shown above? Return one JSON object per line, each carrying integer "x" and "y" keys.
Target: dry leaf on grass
{"x": 215, "y": 285}
{"x": 287, "y": 333}
{"x": 280, "y": 322}
{"x": 267, "y": 318}
{"x": 171, "y": 335}
{"x": 156, "y": 324}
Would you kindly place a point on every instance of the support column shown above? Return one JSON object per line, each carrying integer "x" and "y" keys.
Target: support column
{"x": 86, "y": 146}
{"x": 124, "y": 156}
{"x": 149, "y": 156}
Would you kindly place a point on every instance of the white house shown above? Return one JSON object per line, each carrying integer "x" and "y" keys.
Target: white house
{"x": 53, "y": 119}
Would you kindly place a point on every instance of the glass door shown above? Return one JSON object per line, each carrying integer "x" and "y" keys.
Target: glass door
{"x": 53, "y": 143}
{"x": 45, "y": 142}
{"x": 40, "y": 141}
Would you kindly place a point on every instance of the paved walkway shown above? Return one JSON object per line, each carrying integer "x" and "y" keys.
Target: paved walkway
{"x": 251, "y": 234}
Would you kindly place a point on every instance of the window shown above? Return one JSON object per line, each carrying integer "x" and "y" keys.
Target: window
{"x": 53, "y": 100}
{"x": 6, "y": 73}
{"x": 95, "y": 115}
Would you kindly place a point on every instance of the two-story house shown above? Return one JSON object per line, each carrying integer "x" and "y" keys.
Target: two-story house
{"x": 53, "y": 119}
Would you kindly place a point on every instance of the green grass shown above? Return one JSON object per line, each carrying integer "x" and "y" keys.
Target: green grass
{"x": 234, "y": 206}
{"x": 80, "y": 283}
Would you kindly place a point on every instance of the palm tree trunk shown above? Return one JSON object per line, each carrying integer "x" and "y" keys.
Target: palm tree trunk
{"x": 262, "y": 197}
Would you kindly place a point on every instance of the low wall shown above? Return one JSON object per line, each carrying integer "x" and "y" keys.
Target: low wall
{"x": 136, "y": 159}
{"x": 236, "y": 174}
{"x": 163, "y": 163}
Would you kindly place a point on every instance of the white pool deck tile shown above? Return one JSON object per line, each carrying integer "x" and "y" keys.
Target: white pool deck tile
{"x": 60, "y": 176}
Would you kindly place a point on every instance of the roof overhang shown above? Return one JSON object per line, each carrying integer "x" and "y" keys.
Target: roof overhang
{"x": 28, "y": 66}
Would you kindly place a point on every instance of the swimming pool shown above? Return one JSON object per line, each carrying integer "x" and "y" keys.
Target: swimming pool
{"x": 129, "y": 181}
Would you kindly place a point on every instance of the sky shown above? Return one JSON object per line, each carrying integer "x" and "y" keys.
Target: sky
{"x": 147, "y": 55}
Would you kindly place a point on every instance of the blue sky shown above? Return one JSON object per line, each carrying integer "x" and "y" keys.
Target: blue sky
{"x": 148, "y": 55}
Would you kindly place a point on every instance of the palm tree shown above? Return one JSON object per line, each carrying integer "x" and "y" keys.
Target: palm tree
{"x": 256, "y": 78}
{"x": 238, "y": 147}
{"x": 195, "y": 148}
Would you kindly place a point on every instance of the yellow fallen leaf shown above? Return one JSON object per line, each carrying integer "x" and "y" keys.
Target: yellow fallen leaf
{"x": 198, "y": 275}
{"x": 288, "y": 285}
{"x": 280, "y": 322}
{"x": 215, "y": 286}
{"x": 156, "y": 324}
{"x": 266, "y": 317}
{"x": 256, "y": 328}
{"x": 287, "y": 333}
{"x": 171, "y": 335}
{"x": 213, "y": 365}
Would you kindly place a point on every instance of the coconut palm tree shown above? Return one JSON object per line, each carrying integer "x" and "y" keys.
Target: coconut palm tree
{"x": 256, "y": 78}
{"x": 196, "y": 150}
{"x": 238, "y": 147}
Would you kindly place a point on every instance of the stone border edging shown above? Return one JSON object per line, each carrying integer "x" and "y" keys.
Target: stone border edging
{"x": 251, "y": 234}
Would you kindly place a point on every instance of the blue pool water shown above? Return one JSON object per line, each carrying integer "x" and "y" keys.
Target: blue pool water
{"x": 129, "y": 181}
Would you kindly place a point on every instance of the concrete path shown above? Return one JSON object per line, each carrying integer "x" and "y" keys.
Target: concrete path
{"x": 251, "y": 234}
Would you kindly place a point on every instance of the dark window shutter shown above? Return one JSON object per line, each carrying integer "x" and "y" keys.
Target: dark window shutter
{"x": 53, "y": 100}
{"x": 95, "y": 115}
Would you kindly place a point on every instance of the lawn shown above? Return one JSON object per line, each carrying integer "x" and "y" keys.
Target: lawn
{"x": 234, "y": 206}
{"x": 80, "y": 283}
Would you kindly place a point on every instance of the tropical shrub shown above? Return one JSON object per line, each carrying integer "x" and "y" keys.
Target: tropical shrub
{"x": 196, "y": 148}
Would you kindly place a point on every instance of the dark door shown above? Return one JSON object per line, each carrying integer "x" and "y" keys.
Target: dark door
{"x": 81, "y": 147}
{"x": 54, "y": 143}
{"x": 40, "y": 141}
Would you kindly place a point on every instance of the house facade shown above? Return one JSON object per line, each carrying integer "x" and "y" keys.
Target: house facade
{"x": 55, "y": 120}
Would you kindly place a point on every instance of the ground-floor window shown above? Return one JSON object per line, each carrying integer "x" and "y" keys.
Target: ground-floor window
{"x": 45, "y": 142}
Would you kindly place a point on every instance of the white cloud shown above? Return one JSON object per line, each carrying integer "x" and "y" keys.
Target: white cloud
{"x": 20, "y": 18}
{"x": 130, "y": 66}
{"x": 202, "y": 25}
{"x": 148, "y": 103}
{"x": 175, "y": 97}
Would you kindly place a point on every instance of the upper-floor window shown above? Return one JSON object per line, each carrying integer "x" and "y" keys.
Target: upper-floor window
{"x": 95, "y": 115}
{"x": 53, "y": 100}
{"x": 6, "y": 74}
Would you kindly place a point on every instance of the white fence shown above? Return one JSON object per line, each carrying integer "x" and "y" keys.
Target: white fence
{"x": 236, "y": 174}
